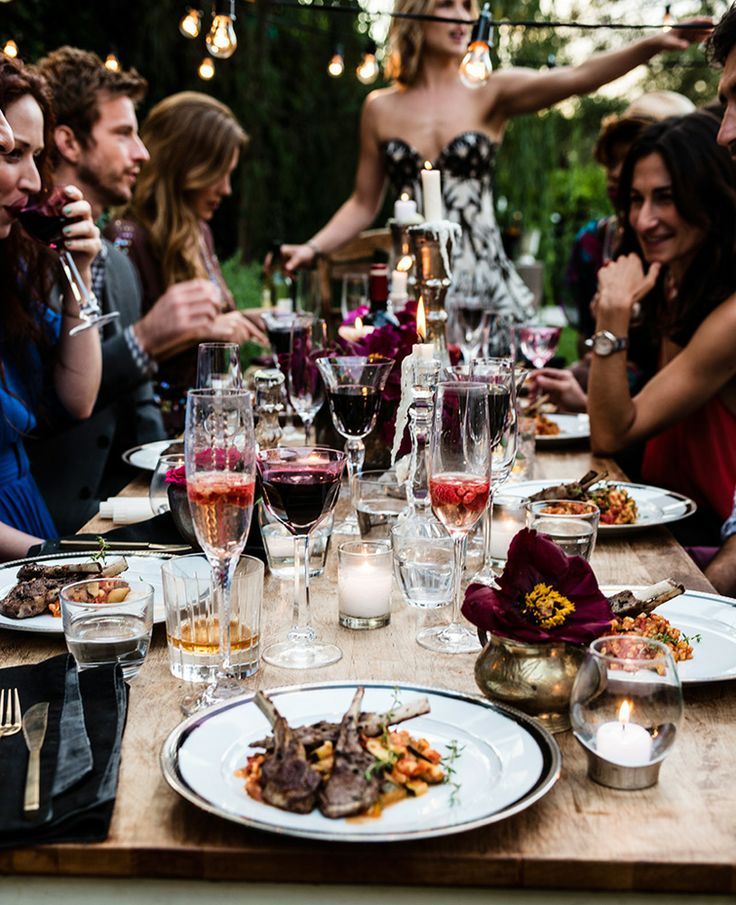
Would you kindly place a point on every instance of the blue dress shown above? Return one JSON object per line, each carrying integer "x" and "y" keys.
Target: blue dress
{"x": 21, "y": 503}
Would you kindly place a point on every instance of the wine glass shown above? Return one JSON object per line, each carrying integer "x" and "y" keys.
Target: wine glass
{"x": 471, "y": 325}
{"x": 158, "y": 491}
{"x": 503, "y": 343}
{"x": 308, "y": 299}
{"x": 538, "y": 342}
{"x": 354, "y": 386}
{"x": 278, "y": 329}
{"x": 459, "y": 485}
{"x": 300, "y": 489}
{"x": 304, "y": 383}
{"x": 498, "y": 374}
{"x": 45, "y": 223}
{"x": 354, "y": 292}
{"x": 218, "y": 366}
{"x": 219, "y": 449}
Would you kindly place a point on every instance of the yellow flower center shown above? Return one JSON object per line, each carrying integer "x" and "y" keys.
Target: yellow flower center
{"x": 547, "y": 607}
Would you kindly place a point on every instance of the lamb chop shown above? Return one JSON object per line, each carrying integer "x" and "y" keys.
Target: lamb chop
{"x": 632, "y": 603}
{"x": 573, "y": 490}
{"x": 39, "y": 585}
{"x": 289, "y": 781}
{"x": 351, "y": 788}
{"x": 370, "y": 724}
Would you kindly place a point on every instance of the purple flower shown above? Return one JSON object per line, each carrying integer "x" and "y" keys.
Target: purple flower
{"x": 543, "y": 595}
{"x": 177, "y": 476}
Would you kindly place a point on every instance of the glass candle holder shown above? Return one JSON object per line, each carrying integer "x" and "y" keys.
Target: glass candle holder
{"x": 625, "y": 709}
{"x": 364, "y": 579}
{"x": 509, "y": 517}
{"x": 571, "y": 524}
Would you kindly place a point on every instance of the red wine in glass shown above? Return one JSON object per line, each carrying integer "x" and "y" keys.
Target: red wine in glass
{"x": 43, "y": 225}
{"x": 499, "y": 405}
{"x": 299, "y": 498}
{"x": 354, "y": 409}
{"x": 539, "y": 344}
{"x": 458, "y": 500}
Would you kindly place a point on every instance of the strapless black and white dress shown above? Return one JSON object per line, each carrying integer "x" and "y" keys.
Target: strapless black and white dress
{"x": 480, "y": 265}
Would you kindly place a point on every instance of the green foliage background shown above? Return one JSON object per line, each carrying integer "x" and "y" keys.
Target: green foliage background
{"x": 304, "y": 125}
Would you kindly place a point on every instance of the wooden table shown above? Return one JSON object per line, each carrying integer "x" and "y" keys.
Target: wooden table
{"x": 678, "y": 836}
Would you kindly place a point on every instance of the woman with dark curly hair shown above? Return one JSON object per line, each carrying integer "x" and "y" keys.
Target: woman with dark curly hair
{"x": 34, "y": 340}
{"x": 678, "y": 263}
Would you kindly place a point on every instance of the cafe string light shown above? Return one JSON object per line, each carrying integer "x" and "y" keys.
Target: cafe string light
{"x": 10, "y": 49}
{"x": 476, "y": 66}
{"x": 206, "y": 70}
{"x": 336, "y": 66}
{"x": 112, "y": 63}
{"x": 191, "y": 23}
{"x": 668, "y": 19}
{"x": 221, "y": 39}
{"x": 367, "y": 70}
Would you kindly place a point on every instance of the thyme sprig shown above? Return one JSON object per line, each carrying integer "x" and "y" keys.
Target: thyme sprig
{"x": 102, "y": 551}
{"x": 454, "y": 750}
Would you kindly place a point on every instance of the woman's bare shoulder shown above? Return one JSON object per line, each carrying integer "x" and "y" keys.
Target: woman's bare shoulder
{"x": 383, "y": 99}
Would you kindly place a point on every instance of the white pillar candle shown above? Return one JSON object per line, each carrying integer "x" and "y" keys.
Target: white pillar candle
{"x": 405, "y": 210}
{"x": 424, "y": 351}
{"x": 432, "y": 195}
{"x": 622, "y": 742}
{"x": 364, "y": 579}
{"x": 399, "y": 284}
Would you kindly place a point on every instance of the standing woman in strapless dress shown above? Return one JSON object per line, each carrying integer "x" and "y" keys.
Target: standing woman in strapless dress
{"x": 428, "y": 114}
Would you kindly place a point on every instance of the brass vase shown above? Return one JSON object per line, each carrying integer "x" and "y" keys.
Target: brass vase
{"x": 535, "y": 678}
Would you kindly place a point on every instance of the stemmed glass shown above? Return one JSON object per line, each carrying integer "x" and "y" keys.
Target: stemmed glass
{"x": 45, "y": 223}
{"x": 278, "y": 329}
{"x": 304, "y": 382}
{"x": 354, "y": 292}
{"x": 459, "y": 484}
{"x": 218, "y": 366}
{"x": 219, "y": 449}
{"x": 300, "y": 489}
{"x": 354, "y": 386}
{"x": 498, "y": 374}
{"x": 538, "y": 342}
{"x": 471, "y": 322}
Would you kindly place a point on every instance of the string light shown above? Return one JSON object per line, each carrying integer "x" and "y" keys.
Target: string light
{"x": 668, "y": 20}
{"x": 476, "y": 66}
{"x": 10, "y": 49}
{"x": 206, "y": 69}
{"x": 367, "y": 69}
{"x": 191, "y": 23}
{"x": 336, "y": 66}
{"x": 221, "y": 39}
{"x": 112, "y": 63}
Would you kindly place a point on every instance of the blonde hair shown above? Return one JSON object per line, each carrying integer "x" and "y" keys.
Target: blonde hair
{"x": 406, "y": 40}
{"x": 192, "y": 139}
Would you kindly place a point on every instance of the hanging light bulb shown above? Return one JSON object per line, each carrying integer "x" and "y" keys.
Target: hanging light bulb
{"x": 10, "y": 49}
{"x": 112, "y": 63}
{"x": 221, "y": 39}
{"x": 191, "y": 23}
{"x": 206, "y": 69}
{"x": 668, "y": 20}
{"x": 336, "y": 66}
{"x": 476, "y": 67}
{"x": 367, "y": 69}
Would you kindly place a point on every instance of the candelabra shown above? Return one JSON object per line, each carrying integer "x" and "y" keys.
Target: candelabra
{"x": 431, "y": 245}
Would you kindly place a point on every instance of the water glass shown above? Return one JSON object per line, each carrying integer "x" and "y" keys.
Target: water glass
{"x": 158, "y": 492}
{"x": 424, "y": 569}
{"x": 279, "y": 545}
{"x": 379, "y": 500}
{"x": 364, "y": 582}
{"x": 526, "y": 450}
{"x": 354, "y": 292}
{"x": 107, "y": 621}
{"x": 571, "y": 524}
{"x": 192, "y": 624}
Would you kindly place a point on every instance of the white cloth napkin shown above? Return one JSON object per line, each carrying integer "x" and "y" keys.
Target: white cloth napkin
{"x": 125, "y": 510}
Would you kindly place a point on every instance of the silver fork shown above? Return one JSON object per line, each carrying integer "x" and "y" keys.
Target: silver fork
{"x": 10, "y": 714}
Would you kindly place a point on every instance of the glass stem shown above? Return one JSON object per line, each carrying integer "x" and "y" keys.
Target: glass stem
{"x": 487, "y": 531}
{"x": 459, "y": 545}
{"x": 223, "y": 571}
{"x": 355, "y": 450}
{"x": 301, "y": 631}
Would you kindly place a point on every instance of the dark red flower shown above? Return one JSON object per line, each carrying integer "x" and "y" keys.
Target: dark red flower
{"x": 543, "y": 595}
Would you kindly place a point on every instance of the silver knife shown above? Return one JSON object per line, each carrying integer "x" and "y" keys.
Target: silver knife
{"x": 34, "y": 731}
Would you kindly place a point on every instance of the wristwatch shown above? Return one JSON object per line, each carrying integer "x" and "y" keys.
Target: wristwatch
{"x": 604, "y": 343}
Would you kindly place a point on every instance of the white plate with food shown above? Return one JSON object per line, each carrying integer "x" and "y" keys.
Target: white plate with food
{"x": 147, "y": 455}
{"x": 707, "y": 623}
{"x": 652, "y": 506}
{"x": 140, "y": 567}
{"x": 558, "y": 429}
{"x": 496, "y": 762}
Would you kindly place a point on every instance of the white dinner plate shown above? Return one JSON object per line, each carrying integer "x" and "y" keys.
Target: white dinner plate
{"x": 141, "y": 566}
{"x": 655, "y": 505}
{"x": 711, "y": 617}
{"x": 146, "y": 456}
{"x": 572, "y": 429}
{"x": 507, "y": 762}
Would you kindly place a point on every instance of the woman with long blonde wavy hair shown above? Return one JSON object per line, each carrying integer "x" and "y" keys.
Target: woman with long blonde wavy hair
{"x": 194, "y": 143}
{"x": 429, "y": 115}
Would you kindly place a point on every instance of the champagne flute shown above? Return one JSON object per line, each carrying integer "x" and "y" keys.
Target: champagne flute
{"x": 354, "y": 292}
{"x": 459, "y": 485}
{"x": 498, "y": 374}
{"x": 219, "y": 449}
{"x": 304, "y": 382}
{"x": 354, "y": 386}
{"x": 300, "y": 489}
{"x": 218, "y": 366}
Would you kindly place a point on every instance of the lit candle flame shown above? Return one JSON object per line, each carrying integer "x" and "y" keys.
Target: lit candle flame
{"x": 428, "y": 165}
{"x": 358, "y": 324}
{"x": 404, "y": 264}
{"x": 624, "y": 713}
{"x": 421, "y": 321}
{"x": 404, "y": 196}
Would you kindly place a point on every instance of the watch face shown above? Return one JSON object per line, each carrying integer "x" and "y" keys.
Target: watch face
{"x": 603, "y": 345}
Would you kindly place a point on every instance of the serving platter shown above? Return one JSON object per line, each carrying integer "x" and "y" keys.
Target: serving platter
{"x": 146, "y": 455}
{"x": 655, "y": 505}
{"x": 507, "y": 761}
{"x": 572, "y": 429}
{"x": 143, "y": 566}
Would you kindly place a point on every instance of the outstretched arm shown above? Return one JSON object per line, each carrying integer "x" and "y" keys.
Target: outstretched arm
{"x": 361, "y": 208}
{"x": 526, "y": 90}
